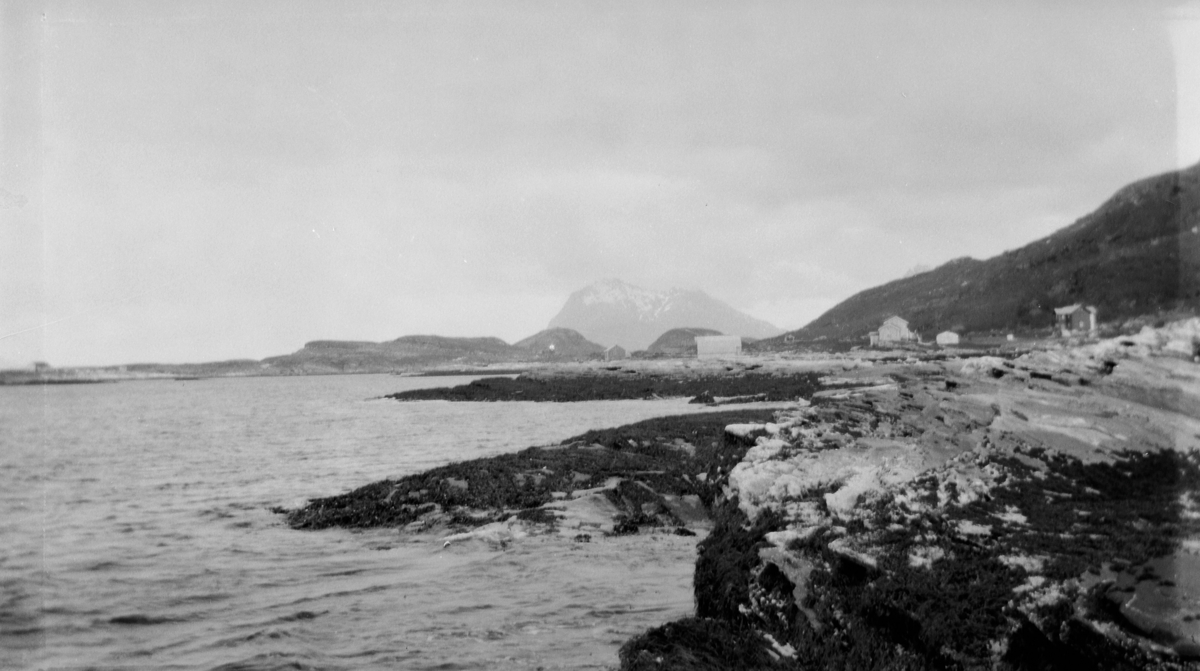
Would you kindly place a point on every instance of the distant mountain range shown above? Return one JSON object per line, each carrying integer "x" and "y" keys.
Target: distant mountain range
{"x": 426, "y": 351}
{"x": 1137, "y": 254}
{"x": 401, "y": 354}
{"x": 611, "y": 312}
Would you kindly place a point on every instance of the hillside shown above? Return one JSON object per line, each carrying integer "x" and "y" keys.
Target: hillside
{"x": 560, "y": 344}
{"x": 1137, "y": 254}
{"x": 612, "y": 312}
{"x": 402, "y": 354}
{"x": 679, "y": 342}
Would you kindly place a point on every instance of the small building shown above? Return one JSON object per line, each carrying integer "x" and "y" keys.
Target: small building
{"x": 947, "y": 338}
{"x": 614, "y": 353}
{"x": 1075, "y": 319}
{"x": 893, "y": 330}
{"x": 716, "y": 347}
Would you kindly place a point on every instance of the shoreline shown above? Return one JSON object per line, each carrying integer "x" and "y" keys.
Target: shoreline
{"x": 987, "y": 512}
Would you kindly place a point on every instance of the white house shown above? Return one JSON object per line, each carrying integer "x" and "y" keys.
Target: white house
{"x": 947, "y": 338}
{"x": 1075, "y": 318}
{"x": 614, "y": 353}
{"x": 893, "y": 330}
{"x": 716, "y": 347}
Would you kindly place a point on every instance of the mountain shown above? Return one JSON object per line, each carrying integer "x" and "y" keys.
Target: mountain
{"x": 401, "y": 354}
{"x": 612, "y": 312}
{"x": 678, "y": 342}
{"x": 1137, "y": 254}
{"x": 560, "y": 343}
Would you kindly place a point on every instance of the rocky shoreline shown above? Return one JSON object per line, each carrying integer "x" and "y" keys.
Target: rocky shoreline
{"x": 739, "y": 384}
{"x": 1035, "y": 513}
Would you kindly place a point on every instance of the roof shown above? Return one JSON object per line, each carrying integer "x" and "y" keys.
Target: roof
{"x": 1071, "y": 309}
{"x": 895, "y": 319}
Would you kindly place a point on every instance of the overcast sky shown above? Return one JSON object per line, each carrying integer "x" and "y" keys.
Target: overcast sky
{"x": 192, "y": 181}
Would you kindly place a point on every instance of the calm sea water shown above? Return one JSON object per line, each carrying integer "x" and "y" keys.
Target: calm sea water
{"x": 136, "y": 534}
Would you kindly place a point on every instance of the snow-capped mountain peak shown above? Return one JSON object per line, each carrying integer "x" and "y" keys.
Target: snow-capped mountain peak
{"x": 613, "y": 312}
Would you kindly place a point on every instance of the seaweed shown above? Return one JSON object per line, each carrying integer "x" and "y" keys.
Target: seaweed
{"x": 480, "y": 491}
{"x": 626, "y": 385}
{"x": 964, "y": 610}
{"x": 698, "y": 644}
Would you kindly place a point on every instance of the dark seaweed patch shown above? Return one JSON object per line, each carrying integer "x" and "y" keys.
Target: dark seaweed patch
{"x": 645, "y": 452}
{"x": 634, "y": 385}
{"x": 953, "y": 614}
{"x": 698, "y": 644}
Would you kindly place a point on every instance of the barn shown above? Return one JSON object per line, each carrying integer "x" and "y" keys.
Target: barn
{"x": 717, "y": 347}
{"x": 614, "y": 353}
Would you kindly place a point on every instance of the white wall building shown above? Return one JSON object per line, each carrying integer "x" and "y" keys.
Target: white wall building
{"x": 893, "y": 330}
{"x": 946, "y": 338}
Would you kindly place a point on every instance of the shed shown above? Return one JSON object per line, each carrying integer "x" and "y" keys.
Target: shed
{"x": 716, "y": 347}
{"x": 894, "y": 329}
{"x": 1075, "y": 318}
{"x": 614, "y": 353}
{"x": 947, "y": 338}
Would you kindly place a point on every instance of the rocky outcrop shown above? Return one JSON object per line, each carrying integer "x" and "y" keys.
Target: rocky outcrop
{"x": 661, "y": 473}
{"x": 1036, "y": 513}
{"x": 626, "y": 383}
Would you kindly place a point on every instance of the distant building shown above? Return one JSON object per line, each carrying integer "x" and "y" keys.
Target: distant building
{"x": 1075, "y": 319}
{"x": 947, "y": 338}
{"x": 893, "y": 330}
{"x": 716, "y": 347}
{"x": 614, "y": 353}
{"x": 41, "y": 366}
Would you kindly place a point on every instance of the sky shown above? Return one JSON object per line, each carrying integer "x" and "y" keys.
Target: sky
{"x": 197, "y": 181}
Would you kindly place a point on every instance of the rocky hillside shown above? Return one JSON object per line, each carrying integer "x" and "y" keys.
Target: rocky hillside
{"x": 612, "y": 312}
{"x": 1137, "y": 254}
{"x": 402, "y": 354}
{"x": 560, "y": 343}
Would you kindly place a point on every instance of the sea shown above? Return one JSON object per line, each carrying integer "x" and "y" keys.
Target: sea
{"x": 136, "y": 532}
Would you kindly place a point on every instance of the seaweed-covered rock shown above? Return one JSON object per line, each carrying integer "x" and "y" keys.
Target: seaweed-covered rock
{"x": 1036, "y": 519}
{"x": 626, "y": 384}
{"x": 661, "y": 472}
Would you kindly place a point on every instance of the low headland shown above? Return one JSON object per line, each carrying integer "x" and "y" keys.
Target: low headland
{"x": 1035, "y": 511}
